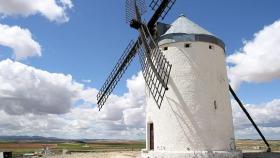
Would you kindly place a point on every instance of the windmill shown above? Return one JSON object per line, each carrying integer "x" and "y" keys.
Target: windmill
{"x": 195, "y": 92}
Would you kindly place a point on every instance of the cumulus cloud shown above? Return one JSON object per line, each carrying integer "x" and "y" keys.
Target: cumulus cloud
{"x": 116, "y": 106}
{"x": 266, "y": 116}
{"x": 134, "y": 117}
{"x": 259, "y": 59}
{"x": 88, "y": 95}
{"x": 25, "y": 89}
{"x": 19, "y": 40}
{"x": 37, "y": 102}
{"x": 54, "y": 10}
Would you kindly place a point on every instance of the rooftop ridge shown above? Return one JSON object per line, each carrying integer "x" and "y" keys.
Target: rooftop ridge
{"x": 183, "y": 25}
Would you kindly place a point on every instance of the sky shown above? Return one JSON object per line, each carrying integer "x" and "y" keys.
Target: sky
{"x": 56, "y": 54}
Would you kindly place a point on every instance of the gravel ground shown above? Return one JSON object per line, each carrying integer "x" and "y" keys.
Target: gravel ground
{"x": 123, "y": 154}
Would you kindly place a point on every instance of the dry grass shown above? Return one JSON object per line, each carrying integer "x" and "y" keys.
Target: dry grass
{"x": 119, "y": 154}
{"x": 247, "y": 144}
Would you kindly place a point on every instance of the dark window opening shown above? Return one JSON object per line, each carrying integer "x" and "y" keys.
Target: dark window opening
{"x": 211, "y": 47}
{"x": 151, "y": 132}
{"x": 165, "y": 48}
{"x": 215, "y": 105}
{"x": 187, "y": 45}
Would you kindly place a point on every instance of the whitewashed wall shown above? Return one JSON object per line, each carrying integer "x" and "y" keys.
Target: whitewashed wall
{"x": 188, "y": 120}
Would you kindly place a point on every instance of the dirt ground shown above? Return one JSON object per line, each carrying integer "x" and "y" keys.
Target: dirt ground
{"x": 119, "y": 154}
{"x": 136, "y": 154}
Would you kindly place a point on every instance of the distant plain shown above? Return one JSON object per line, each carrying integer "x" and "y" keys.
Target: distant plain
{"x": 106, "y": 147}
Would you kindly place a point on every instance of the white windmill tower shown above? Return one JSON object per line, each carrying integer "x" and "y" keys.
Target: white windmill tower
{"x": 188, "y": 112}
{"x": 195, "y": 118}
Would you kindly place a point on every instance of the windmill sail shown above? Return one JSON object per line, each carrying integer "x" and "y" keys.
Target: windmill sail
{"x": 155, "y": 4}
{"x": 116, "y": 74}
{"x": 155, "y": 68}
{"x": 130, "y": 11}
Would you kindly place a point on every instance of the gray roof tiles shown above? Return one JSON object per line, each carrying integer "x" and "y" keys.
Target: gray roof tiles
{"x": 184, "y": 25}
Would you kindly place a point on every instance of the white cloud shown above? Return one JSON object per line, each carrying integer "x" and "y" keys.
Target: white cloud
{"x": 266, "y": 116}
{"x": 86, "y": 81}
{"x": 36, "y": 102}
{"x": 89, "y": 95}
{"x": 25, "y": 89}
{"x": 19, "y": 40}
{"x": 122, "y": 116}
{"x": 69, "y": 108}
{"x": 134, "y": 98}
{"x": 259, "y": 59}
{"x": 54, "y": 10}
{"x": 134, "y": 117}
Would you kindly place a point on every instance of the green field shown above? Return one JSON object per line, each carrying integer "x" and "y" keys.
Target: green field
{"x": 102, "y": 146}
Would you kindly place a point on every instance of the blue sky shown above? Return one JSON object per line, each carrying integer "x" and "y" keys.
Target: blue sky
{"x": 89, "y": 44}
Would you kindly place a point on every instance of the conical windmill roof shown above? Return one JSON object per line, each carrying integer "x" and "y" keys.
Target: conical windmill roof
{"x": 184, "y": 25}
{"x": 183, "y": 30}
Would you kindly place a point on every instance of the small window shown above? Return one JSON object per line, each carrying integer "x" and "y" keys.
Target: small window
{"x": 165, "y": 48}
{"x": 187, "y": 45}
{"x": 215, "y": 105}
{"x": 151, "y": 134}
{"x": 211, "y": 47}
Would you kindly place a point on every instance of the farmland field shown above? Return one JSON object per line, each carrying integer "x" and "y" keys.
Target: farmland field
{"x": 106, "y": 147}
{"x": 20, "y": 148}
{"x": 248, "y": 144}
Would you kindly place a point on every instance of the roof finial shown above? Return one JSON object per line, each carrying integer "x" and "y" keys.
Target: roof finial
{"x": 182, "y": 15}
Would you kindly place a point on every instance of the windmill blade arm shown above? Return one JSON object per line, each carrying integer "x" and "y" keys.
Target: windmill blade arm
{"x": 116, "y": 74}
{"x": 157, "y": 74}
{"x": 161, "y": 11}
{"x": 156, "y": 71}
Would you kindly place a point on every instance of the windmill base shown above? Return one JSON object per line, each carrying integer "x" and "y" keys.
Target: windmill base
{"x": 191, "y": 154}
